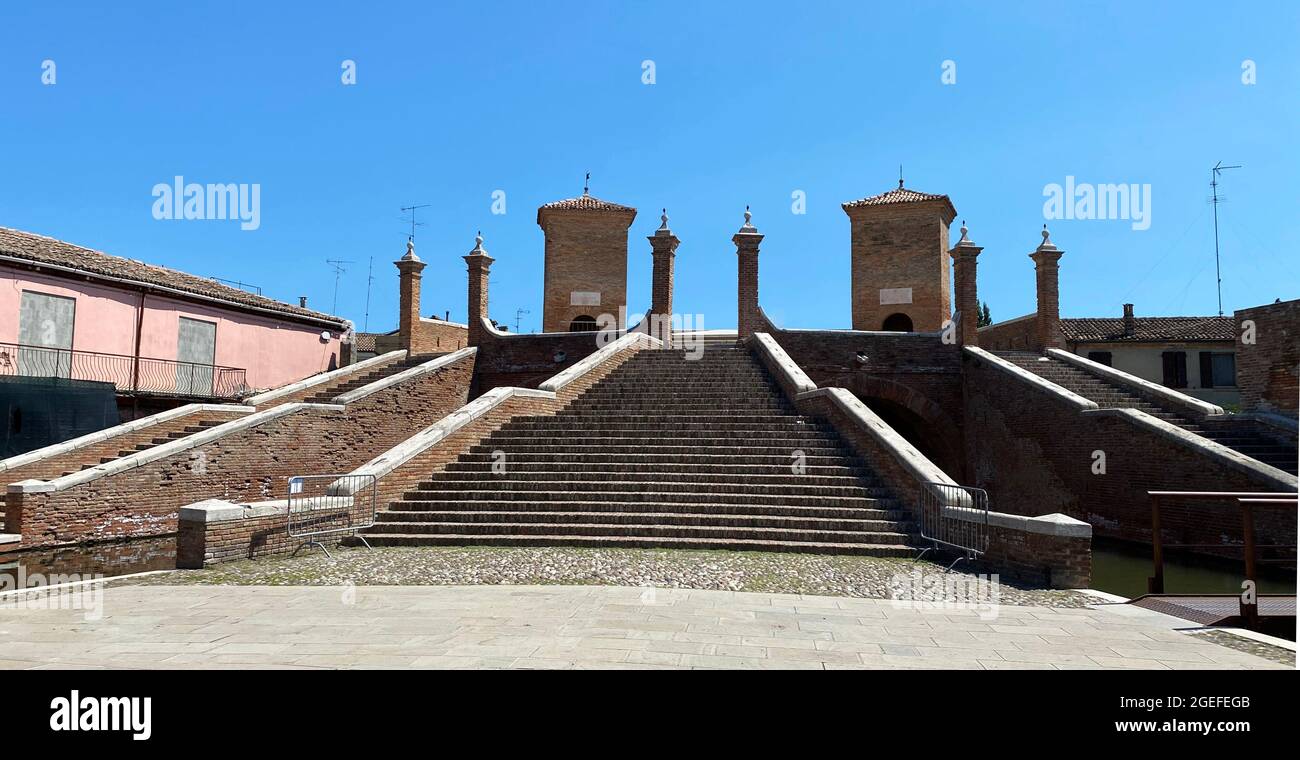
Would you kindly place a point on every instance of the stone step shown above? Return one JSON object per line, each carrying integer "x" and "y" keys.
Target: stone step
{"x": 654, "y": 467}
{"x": 790, "y": 438}
{"x": 887, "y": 511}
{"x": 652, "y": 475}
{"x": 688, "y": 457}
{"x": 630, "y": 542}
{"x": 434, "y": 494}
{"x": 398, "y": 519}
{"x": 647, "y": 530}
{"x": 725, "y": 449}
{"x": 797, "y": 492}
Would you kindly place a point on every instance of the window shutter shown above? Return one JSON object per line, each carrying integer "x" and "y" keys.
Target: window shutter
{"x": 1207, "y": 369}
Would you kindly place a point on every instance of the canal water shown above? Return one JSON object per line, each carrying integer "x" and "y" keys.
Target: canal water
{"x": 1121, "y": 567}
{"x": 35, "y": 568}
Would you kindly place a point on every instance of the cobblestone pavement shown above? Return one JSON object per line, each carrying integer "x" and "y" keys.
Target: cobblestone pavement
{"x": 869, "y": 577}
{"x": 244, "y": 627}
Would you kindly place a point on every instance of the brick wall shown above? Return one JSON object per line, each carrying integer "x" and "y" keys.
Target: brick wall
{"x": 248, "y": 465}
{"x": 434, "y": 336}
{"x": 1267, "y": 369}
{"x": 1034, "y": 454}
{"x": 526, "y": 361}
{"x": 1012, "y": 335}
{"x": 202, "y": 543}
{"x": 310, "y": 391}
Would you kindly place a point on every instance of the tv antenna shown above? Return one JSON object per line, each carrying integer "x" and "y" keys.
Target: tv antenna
{"x": 339, "y": 269}
{"x": 370, "y": 279}
{"x": 1214, "y": 201}
{"x": 414, "y": 223}
{"x": 519, "y": 313}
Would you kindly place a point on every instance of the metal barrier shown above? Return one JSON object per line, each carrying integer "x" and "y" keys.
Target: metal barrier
{"x": 128, "y": 374}
{"x": 955, "y": 517}
{"x": 321, "y": 505}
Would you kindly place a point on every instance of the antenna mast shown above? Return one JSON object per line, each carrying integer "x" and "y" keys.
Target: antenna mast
{"x": 414, "y": 223}
{"x": 519, "y": 313}
{"x": 1214, "y": 201}
{"x": 339, "y": 269}
{"x": 370, "y": 279}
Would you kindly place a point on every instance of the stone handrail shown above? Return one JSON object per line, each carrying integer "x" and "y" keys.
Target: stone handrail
{"x": 1064, "y": 395}
{"x": 432, "y": 365}
{"x": 324, "y": 377}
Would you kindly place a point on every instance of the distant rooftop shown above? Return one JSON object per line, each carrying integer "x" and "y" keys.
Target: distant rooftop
{"x": 1149, "y": 330}
{"x": 584, "y": 202}
{"x": 45, "y": 251}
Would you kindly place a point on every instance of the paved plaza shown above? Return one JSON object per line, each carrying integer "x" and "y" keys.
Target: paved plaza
{"x": 144, "y": 626}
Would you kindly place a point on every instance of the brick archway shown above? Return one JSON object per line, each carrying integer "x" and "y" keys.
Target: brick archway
{"x": 921, "y": 421}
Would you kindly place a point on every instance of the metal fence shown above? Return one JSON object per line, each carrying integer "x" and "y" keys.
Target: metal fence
{"x": 954, "y": 517}
{"x": 128, "y": 374}
{"x": 322, "y": 505}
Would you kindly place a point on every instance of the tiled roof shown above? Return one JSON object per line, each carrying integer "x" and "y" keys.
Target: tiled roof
{"x": 1149, "y": 330}
{"x": 585, "y": 203}
{"x": 897, "y": 195}
{"x": 39, "y": 249}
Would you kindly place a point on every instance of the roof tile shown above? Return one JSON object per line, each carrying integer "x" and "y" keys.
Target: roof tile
{"x": 1149, "y": 329}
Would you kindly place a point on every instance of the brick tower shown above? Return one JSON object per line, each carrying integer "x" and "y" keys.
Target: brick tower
{"x": 900, "y": 277}
{"x": 586, "y": 261}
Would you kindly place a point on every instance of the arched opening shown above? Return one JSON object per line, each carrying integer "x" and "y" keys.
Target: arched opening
{"x": 897, "y": 322}
{"x": 583, "y": 323}
{"x": 926, "y": 437}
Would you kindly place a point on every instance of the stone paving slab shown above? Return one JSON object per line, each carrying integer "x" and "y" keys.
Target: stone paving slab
{"x": 581, "y": 627}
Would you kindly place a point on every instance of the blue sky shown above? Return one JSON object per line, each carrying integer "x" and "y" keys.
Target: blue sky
{"x": 752, "y": 101}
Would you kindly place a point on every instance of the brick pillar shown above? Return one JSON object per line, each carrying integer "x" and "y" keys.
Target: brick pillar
{"x": 1047, "y": 322}
{"x": 409, "y": 268}
{"x": 964, "y": 256}
{"x": 663, "y": 246}
{"x": 747, "y": 240}
{"x": 479, "y": 262}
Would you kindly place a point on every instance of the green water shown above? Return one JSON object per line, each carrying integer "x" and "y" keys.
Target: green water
{"x": 1122, "y": 568}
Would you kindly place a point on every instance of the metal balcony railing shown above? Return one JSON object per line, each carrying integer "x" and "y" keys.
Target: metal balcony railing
{"x": 129, "y": 374}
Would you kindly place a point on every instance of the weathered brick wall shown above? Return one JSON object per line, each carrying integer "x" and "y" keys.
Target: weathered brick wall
{"x": 249, "y": 465}
{"x": 1012, "y": 335}
{"x": 1040, "y": 559}
{"x": 900, "y": 246}
{"x": 1034, "y": 454}
{"x": 199, "y": 543}
{"x": 526, "y": 361}
{"x": 434, "y": 336}
{"x": 917, "y": 373}
{"x": 1267, "y": 369}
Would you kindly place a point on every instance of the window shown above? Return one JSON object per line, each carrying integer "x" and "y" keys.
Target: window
{"x": 1218, "y": 370}
{"x": 1101, "y": 357}
{"x": 583, "y": 323}
{"x": 897, "y": 323}
{"x": 1174, "y": 364}
{"x": 45, "y": 324}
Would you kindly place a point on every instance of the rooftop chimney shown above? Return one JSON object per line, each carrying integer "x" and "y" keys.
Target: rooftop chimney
{"x": 302, "y": 301}
{"x": 1129, "y": 326}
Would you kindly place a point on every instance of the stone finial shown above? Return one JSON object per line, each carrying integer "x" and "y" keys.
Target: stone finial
{"x": 964, "y": 238}
{"x": 410, "y": 251}
{"x": 664, "y": 220}
{"x": 748, "y": 227}
{"x": 479, "y": 250}
{"x": 1047, "y": 244}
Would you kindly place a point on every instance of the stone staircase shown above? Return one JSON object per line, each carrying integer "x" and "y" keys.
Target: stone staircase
{"x": 1243, "y": 436}
{"x": 174, "y": 435}
{"x": 663, "y": 452}
{"x": 327, "y": 395}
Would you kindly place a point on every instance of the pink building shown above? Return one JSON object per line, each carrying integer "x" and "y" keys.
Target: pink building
{"x": 157, "y": 334}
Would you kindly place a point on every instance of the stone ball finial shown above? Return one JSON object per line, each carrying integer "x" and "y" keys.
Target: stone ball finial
{"x": 963, "y": 231}
{"x": 748, "y": 215}
{"x": 1047, "y": 236}
{"x": 664, "y": 219}
{"x": 478, "y": 244}
{"x": 410, "y": 251}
